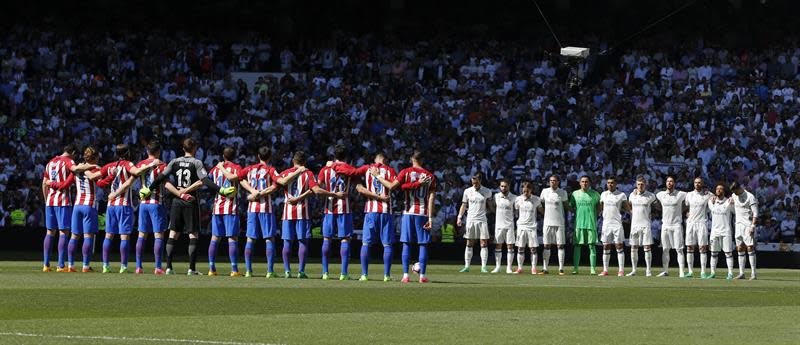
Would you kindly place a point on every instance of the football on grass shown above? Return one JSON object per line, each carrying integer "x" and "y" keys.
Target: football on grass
{"x": 415, "y": 268}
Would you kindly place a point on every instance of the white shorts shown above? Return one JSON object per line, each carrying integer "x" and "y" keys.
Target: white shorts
{"x": 553, "y": 235}
{"x": 527, "y": 237}
{"x": 641, "y": 236}
{"x": 504, "y": 236}
{"x": 743, "y": 236}
{"x": 613, "y": 234}
{"x": 696, "y": 234}
{"x": 477, "y": 230}
{"x": 672, "y": 237}
{"x": 721, "y": 241}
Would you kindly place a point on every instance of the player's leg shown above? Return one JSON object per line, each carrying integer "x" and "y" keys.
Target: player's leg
{"x": 483, "y": 235}
{"x": 64, "y": 215}
{"x": 367, "y": 238}
{"x": 533, "y": 244}
{"x": 715, "y": 246}
{"x": 386, "y": 226}
{"x": 666, "y": 246}
{"x": 499, "y": 240}
{"x": 52, "y": 225}
{"x": 678, "y": 244}
{"x": 407, "y": 236}
{"x": 145, "y": 226}
{"x": 522, "y": 242}
{"x": 288, "y": 235}
{"x": 470, "y": 235}
{"x": 691, "y": 244}
{"x": 578, "y": 241}
{"x": 606, "y": 257}
{"x": 77, "y": 232}
{"x": 647, "y": 241}
{"x": 303, "y": 231}
{"x": 620, "y": 246}
{"x": 548, "y": 239}
{"x": 159, "y": 223}
{"x": 90, "y": 227}
{"x": 727, "y": 247}
{"x": 561, "y": 240}
{"x": 176, "y": 226}
{"x": 344, "y": 226}
{"x": 232, "y": 233}
{"x": 125, "y": 229}
{"x": 702, "y": 241}
{"x": 252, "y": 233}
{"x": 217, "y": 231}
{"x": 112, "y": 228}
{"x": 269, "y": 231}
{"x": 751, "y": 256}
{"x": 741, "y": 250}
{"x": 327, "y": 235}
{"x": 193, "y": 223}
{"x": 423, "y": 239}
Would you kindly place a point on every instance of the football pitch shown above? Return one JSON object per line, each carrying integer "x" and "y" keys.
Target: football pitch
{"x": 454, "y": 308}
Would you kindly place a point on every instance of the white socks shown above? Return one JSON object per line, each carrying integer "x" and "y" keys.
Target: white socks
{"x": 484, "y": 256}
{"x": 545, "y": 258}
{"x": 742, "y": 262}
{"x": 681, "y": 259}
{"x": 665, "y": 260}
{"x": 498, "y": 257}
{"x": 703, "y": 261}
{"x": 729, "y": 262}
{"x": 560, "y": 259}
{"x": 534, "y": 258}
{"x": 606, "y": 259}
{"x": 621, "y": 259}
{"x": 467, "y": 256}
{"x": 714, "y": 262}
{"x": 509, "y": 258}
{"x": 520, "y": 257}
{"x": 752, "y": 257}
{"x": 690, "y": 260}
{"x": 634, "y": 258}
{"x": 648, "y": 259}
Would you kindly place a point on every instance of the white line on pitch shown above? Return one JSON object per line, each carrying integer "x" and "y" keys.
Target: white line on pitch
{"x": 163, "y": 340}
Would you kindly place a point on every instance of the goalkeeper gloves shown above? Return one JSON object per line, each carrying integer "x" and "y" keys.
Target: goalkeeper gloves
{"x": 144, "y": 192}
{"x": 227, "y": 191}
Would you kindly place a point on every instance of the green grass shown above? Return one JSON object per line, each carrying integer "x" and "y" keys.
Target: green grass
{"x": 470, "y": 308}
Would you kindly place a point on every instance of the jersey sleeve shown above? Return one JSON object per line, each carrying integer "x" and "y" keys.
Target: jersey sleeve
{"x": 128, "y": 166}
{"x": 64, "y": 184}
{"x": 754, "y": 207}
{"x": 241, "y": 174}
{"x": 200, "y": 169}
{"x": 312, "y": 182}
{"x": 321, "y": 179}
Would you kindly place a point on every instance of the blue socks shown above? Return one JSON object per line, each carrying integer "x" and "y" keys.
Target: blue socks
{"x": 157, "y": 246}
{"x": 302, "y": 252}
{"x": 270, "y": 256}
{"x": 248, "y": 255}
{"x": 106, "y": 249}
{"x": 47, "y": 247}
{"x": 405, "y": 256}
{"x": 326, "y": 247}
{"x": 364, "y": 258}
{"x": 423, "y": 258}
{"x": 86, "y": 250}
{"x": 387, "y": 260}
{"x": 62, "y": 246}
{"x": 233, "y": 252}
{"x": 345, "y": 253}
{"x": 73, "y": 242}
{"x": 140, "y": 241}
{"x": 286, "y": 252}
{"x": 123, "y": 253}
{"x": 212, "y": 253}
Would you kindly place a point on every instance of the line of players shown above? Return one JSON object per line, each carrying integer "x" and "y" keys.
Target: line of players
{"x": 185, "y": 175}
{"x": 553, "y": 202}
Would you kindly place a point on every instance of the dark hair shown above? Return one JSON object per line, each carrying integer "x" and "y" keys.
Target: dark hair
{"x": 153, "y": 148}
{"x": 554, "y": 175}
{"x": 123, "y": 151}
{"x": 735, "y": 185}
{"x": 70, "y": 149}
{"x": 189, "y": 145}
{"x": 339, "y": 152}
{"x": 670, "y": 176}
{"x": 587, "y": 177}
{"x": 611, "y": 177}
{"x": 417, "y": 156}
{"x": 527, "y": 184}
{"x": 264, "y": 153}
{"x": 502, "y": 180}
{"x": 299, "y": 157}
{"x": 228, "y": 153}
{"x": 89, "y": 153}
{"x": 478, "y": 175}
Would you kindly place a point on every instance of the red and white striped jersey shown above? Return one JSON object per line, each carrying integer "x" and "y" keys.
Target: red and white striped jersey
{"x": 121, "y": 172}
{"x": 334, "y": 182}
{"x": 374, "y": 185}
{"x": 86, "y": 194}
{"x": 298, "y": 186}
{"x": 416, "y": 199}
{"x": 58, "y": 170}
{"x": 223, "y": 204}
{"x": 147, "y": 177}
{"x": 260, "y": 176}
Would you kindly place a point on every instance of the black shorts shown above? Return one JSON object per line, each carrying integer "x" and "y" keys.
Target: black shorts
{"x": 184, "y": 219}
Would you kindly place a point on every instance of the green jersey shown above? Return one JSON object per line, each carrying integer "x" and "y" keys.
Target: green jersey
{"x": 585, "y": 204}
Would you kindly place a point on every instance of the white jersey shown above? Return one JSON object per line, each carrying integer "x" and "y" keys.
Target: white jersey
{"x": 527, "y": 211}
{"x": 640, "y": 209}
{"x": 721, "y": 212}
{"x": 698, "y": 206}
{"x": 612, "y": 207}
{"x": 476, "y": 203}
{"x": 553, "y": 206}
{"x": 671, "y": 206}
{"x": 504, "y": 211}
{"x": 745, "y": 207}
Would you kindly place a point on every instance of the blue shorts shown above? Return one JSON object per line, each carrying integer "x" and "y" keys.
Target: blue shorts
{"x": 375, "y": 223}
{"x": 412, "y": 231}
{"x": 152, "y": 218}
{"x": 344, "y": 225}
{"x": 119, "y": 220}
{"x": 298, "y": 229}
{"x": 84, "y": 220}
{"x": 225, "y": 225}
{"x": 261, "y": 225}
{"x": 57, "y": 217}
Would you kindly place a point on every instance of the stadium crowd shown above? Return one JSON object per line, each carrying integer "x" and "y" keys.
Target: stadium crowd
{"x": 499, "y": 107}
